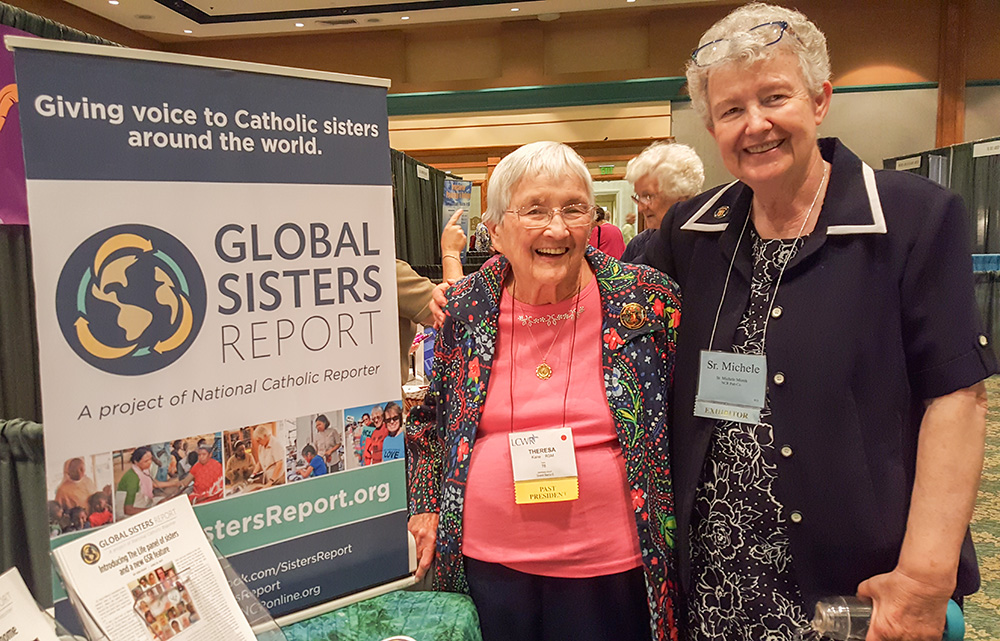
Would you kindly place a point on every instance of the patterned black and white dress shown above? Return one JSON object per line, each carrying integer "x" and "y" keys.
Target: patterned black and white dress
{"x": 743, "y": 584}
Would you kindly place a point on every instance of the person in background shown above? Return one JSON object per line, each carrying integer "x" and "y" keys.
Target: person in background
{"x": 56, "y": 518}
{"x": 850, "y": 290}
{"x": 413, "y": 291}
{"x": 77, "y": 520}
{"x": 393, "y": 443}
{"x": 373, "y": 444}
{"x": 358, "y": 437}
{"x": 328, "y": 442}
{"x": 375, "y": 422}
{"x": 550, "y": 339}
{"x": 316, "y": 465}
{"x": 76, "y": 486}
{"x": 628, "y": 229}
{"x": 135, "y": 487}
{"x": 605, "y": 236}
{"x": 206, "y": 475}
{"x": 662, "y": 175}
{"x": 240, "y": 464}
{"x": 270, "y": 460}
{"x": 484, "y": 241}
{"x": 100, "y": 510}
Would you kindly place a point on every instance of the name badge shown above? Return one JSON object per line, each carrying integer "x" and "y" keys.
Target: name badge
{"x": 544, "y": 464}
{"x": 731, "y": 387}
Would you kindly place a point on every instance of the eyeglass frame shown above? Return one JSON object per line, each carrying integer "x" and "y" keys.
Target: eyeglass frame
{"x": 645, "y": 199}
{"x": 781, "y": 23}
{"x": 397, "y": 417}
{"x": 519, "y": 212}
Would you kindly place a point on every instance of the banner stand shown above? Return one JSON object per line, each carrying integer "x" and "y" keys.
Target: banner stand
{"x": 330, "y": 606}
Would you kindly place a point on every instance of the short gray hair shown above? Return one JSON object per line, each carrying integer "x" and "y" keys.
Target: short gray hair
{"x": 543, "y": 158}
{"x": 804, "y": 39}
{"x": 676, "y": 168}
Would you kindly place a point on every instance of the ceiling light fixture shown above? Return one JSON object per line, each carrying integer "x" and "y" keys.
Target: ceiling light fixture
{"x": 299, "y": 24}
{"x": 514, "y": 9}
{"x": 113, "y": 2}
{"x": 188, "y": 31}
{"x": 405, "y": 18}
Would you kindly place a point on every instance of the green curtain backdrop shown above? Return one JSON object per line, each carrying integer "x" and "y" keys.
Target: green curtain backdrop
{"x": 24, "y": 534}
{"x": 417, "y": 206}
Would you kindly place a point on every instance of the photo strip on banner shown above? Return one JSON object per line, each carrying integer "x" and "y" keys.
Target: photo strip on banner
{"x": 215, "y": 296}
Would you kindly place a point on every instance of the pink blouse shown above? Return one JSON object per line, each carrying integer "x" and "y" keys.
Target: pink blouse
{"x": 594, "y": 535}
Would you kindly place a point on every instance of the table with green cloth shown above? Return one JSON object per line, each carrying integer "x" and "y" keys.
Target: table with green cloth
{"x": 424, "y": 616}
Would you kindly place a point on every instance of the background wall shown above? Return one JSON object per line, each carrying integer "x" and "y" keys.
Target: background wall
{"x": 887, "y": 42}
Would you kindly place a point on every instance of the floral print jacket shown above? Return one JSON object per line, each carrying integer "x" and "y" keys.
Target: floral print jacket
{"x": 638, "y": 366}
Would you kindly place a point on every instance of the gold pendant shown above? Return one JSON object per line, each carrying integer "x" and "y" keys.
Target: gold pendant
{"x": 543, "y": 371}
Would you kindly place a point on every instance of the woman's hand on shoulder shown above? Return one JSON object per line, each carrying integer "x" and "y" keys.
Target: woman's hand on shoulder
{"x": 424, "y": 528}
{"x": 438, "y": 302}
{"x": 905, "y": 608}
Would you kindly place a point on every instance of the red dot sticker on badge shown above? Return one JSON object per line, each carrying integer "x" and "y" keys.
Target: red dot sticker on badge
{"x": 563, "y": 437}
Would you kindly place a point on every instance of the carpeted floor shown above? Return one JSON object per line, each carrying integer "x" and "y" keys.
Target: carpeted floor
{"x": 982, "y": 610}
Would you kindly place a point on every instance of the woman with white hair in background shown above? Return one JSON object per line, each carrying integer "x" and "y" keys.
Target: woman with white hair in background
{"x": 554, "y": 362}
{"x": 829, "y": 410}
{"x": 661, "y": 176}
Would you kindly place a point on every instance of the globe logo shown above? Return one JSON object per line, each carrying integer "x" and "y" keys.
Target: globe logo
{"x": 130, "y": 299}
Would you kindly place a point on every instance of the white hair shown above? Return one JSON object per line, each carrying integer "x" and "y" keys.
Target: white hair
{"x": 802, "y": 38}
{"x": 676, "y": 168}
{"x": 543, "y": 158}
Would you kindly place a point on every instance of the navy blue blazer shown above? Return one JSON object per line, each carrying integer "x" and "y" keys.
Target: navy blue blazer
{"x": 875, "y": 314}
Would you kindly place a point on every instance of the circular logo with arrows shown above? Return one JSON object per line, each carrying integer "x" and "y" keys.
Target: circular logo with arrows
{"x": 130, "y": 299}
{"x": 90, "y": 553}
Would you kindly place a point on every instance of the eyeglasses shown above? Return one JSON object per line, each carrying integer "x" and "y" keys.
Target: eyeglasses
{"x": 644, "y": 199}
{"x": 536, "y": 216}
{"x": 765, "y": 34}
{"x": 392, "y": 419}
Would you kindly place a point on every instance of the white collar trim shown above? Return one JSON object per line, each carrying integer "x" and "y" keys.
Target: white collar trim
{"x": 693, "y": 225}
{"x": 877, "y": 226}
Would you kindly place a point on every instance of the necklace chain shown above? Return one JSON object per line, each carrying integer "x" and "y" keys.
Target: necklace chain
{"x": 729, "y": 273}
{"x": 544, "y": 371}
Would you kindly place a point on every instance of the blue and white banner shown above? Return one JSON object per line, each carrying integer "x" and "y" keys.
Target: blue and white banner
{"x": 214, "y": 271}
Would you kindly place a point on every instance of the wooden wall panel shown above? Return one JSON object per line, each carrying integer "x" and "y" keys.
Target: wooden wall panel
{"x": 435, "y": 55}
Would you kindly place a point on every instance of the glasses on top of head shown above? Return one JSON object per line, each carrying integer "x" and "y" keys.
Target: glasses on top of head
{"x": 765, "y": 34}
{"x": 643, "y": 199}
{"x": 537, "y": 216}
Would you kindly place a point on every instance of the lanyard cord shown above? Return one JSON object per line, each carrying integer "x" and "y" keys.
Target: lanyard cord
{"x": 781, "y": 272}
{"x": 569, "y": 372}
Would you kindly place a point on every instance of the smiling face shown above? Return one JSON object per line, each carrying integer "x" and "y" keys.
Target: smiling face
{"x": 764, "y": 121}
{"x": 393, "y": 420}
{"x": 547, "y": 263}
{"x": 377, "y": 417}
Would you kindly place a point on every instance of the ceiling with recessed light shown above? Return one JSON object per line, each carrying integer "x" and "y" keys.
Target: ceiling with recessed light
{"x": 173, "y": 20}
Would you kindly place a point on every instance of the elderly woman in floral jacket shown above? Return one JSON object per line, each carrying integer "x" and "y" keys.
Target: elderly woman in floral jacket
{"x": 538, "y": 469}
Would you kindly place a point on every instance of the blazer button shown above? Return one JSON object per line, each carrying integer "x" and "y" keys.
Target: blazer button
{"x": 779, "y": 378}
{"x": 795, "y": 517}
{"x": 983, "y": 340}
{"x": 786, "y": 451}
{"x": 776, "y": 312}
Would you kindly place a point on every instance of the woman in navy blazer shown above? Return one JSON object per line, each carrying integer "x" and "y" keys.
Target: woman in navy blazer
{"x": 856, "y": 287}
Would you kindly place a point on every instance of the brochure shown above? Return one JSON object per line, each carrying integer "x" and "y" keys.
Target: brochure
{"x": 151, "y": 577}
{"x": 20, "y": 618}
